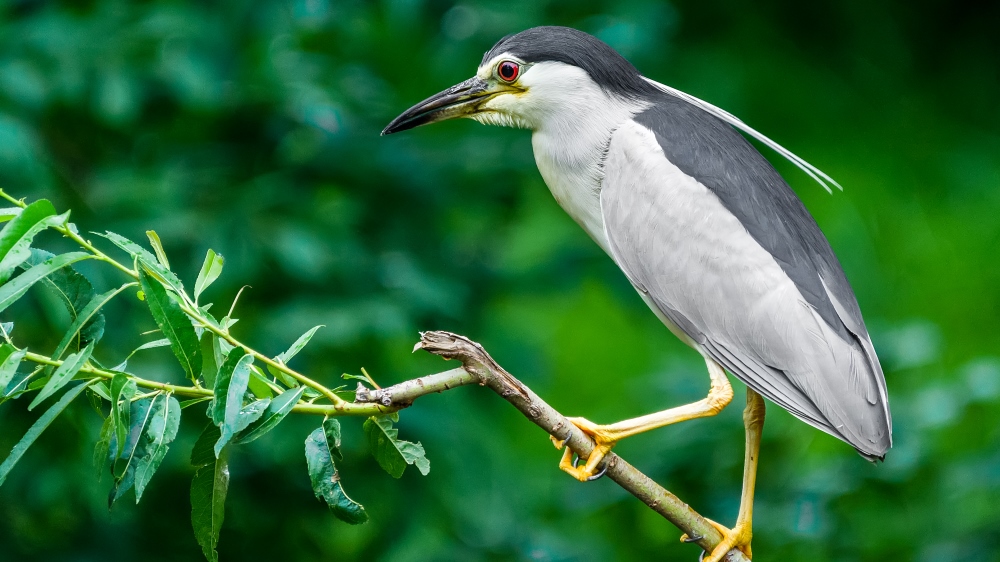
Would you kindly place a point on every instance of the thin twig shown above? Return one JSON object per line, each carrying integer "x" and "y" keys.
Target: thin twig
{"x": 478, "y": 363}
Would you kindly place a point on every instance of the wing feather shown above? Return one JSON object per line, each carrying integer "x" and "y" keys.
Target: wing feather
{"x": 794, "y": 341}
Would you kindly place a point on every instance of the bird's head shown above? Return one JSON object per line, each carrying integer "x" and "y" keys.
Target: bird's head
{"x": 531, "y": 78}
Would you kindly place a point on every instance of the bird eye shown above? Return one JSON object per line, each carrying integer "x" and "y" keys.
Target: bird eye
{"x": 508, "y": 71}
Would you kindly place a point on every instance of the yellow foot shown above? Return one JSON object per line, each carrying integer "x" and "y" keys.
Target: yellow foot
{"x": 738, "y": 538}
{"x": 604, "y": 444}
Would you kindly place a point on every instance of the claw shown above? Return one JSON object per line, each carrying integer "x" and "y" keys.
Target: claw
{"x": 558, "y": 443}
{"x": 604, "y": 469}
{"x": 738, "y": 538}
{"x": 569, "y": 462}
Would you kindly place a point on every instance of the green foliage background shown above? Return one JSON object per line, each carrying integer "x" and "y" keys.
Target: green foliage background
{"x": 253, "y": 128}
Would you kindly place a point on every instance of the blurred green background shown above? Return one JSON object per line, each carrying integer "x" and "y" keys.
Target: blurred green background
{"x": 253, "y": 128}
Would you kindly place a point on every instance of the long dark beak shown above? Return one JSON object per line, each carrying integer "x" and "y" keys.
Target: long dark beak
{"x": 459, "y": 100}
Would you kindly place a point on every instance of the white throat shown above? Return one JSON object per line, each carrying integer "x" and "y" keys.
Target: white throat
{"x": 572, "y": 120}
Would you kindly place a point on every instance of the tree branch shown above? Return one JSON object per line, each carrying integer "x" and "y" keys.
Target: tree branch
{"x": 478, "y": 366}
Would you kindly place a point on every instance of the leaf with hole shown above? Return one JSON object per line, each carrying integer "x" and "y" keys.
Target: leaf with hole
{"x": 174, "y": 323}
{"x": 392, "y": 453}
{"x": 324, "y": 476}
{"x": 62, "y": 375}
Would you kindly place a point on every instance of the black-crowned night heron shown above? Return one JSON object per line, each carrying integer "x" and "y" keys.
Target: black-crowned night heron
{"x": 710, "y": 235}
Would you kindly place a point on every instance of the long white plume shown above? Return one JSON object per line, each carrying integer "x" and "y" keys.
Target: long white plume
{"x": 814, "y": 172}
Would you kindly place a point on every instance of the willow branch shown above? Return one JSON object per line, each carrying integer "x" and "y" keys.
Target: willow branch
{"x": 478, "y": 366}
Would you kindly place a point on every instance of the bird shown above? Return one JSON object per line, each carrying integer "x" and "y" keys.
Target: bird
{"x": 709, "y": 234}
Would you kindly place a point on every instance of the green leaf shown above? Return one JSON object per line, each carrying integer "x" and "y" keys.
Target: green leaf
{"x": 63, "y": 374}
{"x": 122, "y": 389}
{"x": 163, "y": 424}
{"x": 84, "y": 323}
{"x": 15, "y": 288}
{"x": 392, "y": 453}
{"x": 8, "y": 366}
{"x": 276, "y": 411}
{"x": 141, "y": 412}
{"x": 163, "y": 342}
{"x": 149, "y": 260}
{"x": 102, "y": 450}
{"x": 161, "y": 255}
{"x": 287, "y": 355}
{"x": 187, "y": 403}
{"x": 8, "y": 213}
{"x": 174, "y": 324}
{"x": 259, "y": 384}
{"x": 38, "y": 427}
{"x": 209, "y": 361}
{"x": 299, "y": 344}
{"x": 16, "y": 236}
{"x": 75, "y": 292}
{"x": 325, "y": 477}
{"x": 229, "y": 390}
{"x": 208, "y": 491}
{"x": 210, "y": 271}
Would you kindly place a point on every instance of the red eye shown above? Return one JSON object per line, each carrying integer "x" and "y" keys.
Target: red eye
{"x": 508, "y": 71}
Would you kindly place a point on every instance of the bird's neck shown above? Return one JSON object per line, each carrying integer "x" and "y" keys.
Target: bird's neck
{"x": 570, "y": 147}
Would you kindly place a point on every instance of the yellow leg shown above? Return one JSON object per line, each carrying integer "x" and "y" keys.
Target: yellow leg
{"x": 606, "y": 436}
{"x": 740, "y": 535}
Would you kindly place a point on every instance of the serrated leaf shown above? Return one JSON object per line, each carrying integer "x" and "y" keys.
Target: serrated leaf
{"x": 75, "y": 292}
{"x": 15, "y": 288}
{"x": 276, "y": 411}
{"x": 62, "y": 375}
{"x": 161, "y": 254}
{"x": 174, "y": 324}
{"x": 149, "y": 260}
{"x": 326, "y": 479}
{"x": 38, "y": 427}
{"x": 208, "y": 491}
{"x": 16, "y": 236}
{"x": 141, "y": 412}
{"x": 162, "y": 429}
{"x": 210, "y": 271}
{"x": 122, "y": 389}
{"x": 234, "y": 377}
{"x": 209, "y": 360}
{"x": 8, "y": 366}
{"x": 392, "y": 453}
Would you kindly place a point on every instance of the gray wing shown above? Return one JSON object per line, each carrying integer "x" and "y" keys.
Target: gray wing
{"x": 720, "y": 246}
